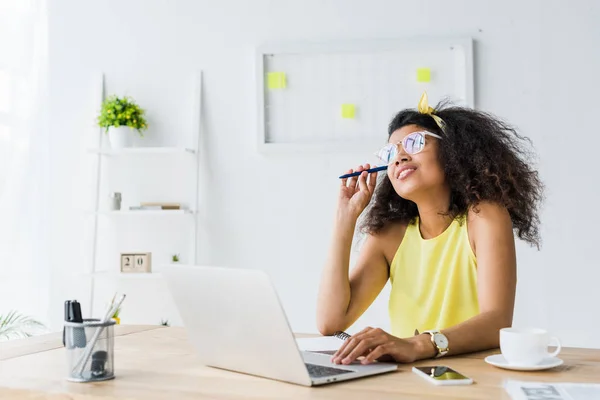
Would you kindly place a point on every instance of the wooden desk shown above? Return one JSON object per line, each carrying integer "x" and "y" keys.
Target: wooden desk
{"x": 153, "y": 362}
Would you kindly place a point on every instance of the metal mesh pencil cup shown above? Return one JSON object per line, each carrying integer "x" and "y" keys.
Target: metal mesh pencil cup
{"x": 90, "y": 347}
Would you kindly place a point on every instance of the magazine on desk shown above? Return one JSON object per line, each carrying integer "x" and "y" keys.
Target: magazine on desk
{"x": 522, "y": 390}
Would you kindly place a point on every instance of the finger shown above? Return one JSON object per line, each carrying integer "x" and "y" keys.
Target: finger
{"x": 344, "y": 180}
{"x": 377, "y": 352}
{"x": 348, "y": 346}
{"x": 343, "y": 346}
{"x": 372, "y": 181}
{"x": 352, "y": 181}
{"x": 369, "y": 339}
{"x": 362, "y": 349}
{"x": 335, "y": 357}
{"x": 344, "y": 350}
{"x": 368, "y": 334}
{"x": 365, "y": 168}
{"x": 362, "y": 182}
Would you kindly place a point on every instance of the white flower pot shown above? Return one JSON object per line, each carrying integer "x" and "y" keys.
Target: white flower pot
{"x": 120, "y": 137}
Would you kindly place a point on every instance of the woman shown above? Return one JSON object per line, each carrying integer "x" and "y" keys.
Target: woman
{"x": 440, "y": 227}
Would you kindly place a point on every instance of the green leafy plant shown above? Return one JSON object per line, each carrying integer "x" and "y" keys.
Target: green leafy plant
{"x": 175, "y": 258}
{"x": 122, "y": 111}
{"x": 15, "y": 325}
{"x": 164, "y": 322}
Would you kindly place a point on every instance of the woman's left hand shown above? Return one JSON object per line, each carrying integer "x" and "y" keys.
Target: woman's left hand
{"x": 375, "y": 344}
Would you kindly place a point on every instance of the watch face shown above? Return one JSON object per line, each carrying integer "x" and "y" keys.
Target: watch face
{"x": 441, "y": 341}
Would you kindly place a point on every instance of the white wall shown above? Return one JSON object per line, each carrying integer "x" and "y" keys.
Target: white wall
{"x": 536, "y": 65}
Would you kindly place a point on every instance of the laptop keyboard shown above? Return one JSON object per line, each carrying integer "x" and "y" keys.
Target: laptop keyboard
{"x": 318, "y": 371}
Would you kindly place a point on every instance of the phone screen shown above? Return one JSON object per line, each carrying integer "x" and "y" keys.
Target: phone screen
{"x": 440, "y": 373}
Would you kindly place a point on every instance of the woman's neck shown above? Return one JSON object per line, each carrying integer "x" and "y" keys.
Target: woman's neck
{"x": 433, "y": 218}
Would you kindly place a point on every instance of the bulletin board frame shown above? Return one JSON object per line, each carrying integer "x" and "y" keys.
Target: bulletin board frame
{"x": 462, "y": 76}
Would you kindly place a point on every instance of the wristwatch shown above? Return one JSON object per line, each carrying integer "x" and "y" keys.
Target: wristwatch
{"x": 440, "y": 341}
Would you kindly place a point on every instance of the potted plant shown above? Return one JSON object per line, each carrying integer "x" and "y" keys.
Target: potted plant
{"x": 175, "y": 258}
{"x": 15, "y": 325}
{"x": 120, "y": 116}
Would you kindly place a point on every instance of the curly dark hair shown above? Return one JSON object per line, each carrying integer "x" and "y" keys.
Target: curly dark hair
{"x": 484, "y": 159}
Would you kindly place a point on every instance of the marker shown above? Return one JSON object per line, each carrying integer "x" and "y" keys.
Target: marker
{"x": 357, "y": 173}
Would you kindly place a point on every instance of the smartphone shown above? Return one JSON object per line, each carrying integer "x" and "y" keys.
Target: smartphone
{"x": 442, "y": 375}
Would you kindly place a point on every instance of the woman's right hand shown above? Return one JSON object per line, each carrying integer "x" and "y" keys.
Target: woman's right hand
{"x": 356, "y": 192}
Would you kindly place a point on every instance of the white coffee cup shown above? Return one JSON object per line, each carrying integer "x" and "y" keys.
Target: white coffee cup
{"x": 526, "y": 346}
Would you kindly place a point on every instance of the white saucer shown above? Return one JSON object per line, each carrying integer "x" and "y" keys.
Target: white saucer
{"x": 499, "y": 361}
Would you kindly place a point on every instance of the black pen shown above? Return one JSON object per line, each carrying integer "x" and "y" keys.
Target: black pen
{"x": 73, "y": 314}
{"x": 67, "y": 317}
{"x": 357, "y": 173}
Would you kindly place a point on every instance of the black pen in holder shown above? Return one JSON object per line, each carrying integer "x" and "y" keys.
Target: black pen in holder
{"x": 73, "y": 314}
{"x": 67, "y": 317}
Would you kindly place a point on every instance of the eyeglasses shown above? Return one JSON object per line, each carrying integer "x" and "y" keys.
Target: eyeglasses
{"x": 412, "y": 144}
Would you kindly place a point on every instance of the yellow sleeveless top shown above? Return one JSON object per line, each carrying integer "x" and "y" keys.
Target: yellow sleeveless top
{"x": 434, "y": 281}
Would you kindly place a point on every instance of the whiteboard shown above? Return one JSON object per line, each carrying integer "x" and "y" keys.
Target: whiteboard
{"x": 336, "y": 96}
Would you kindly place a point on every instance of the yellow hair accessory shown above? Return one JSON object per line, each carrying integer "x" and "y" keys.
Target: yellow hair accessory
{"x": 425, "y": 109}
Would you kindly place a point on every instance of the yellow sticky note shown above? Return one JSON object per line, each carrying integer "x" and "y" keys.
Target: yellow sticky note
{"x": 423, "y": 75}
{"x": 276, "y": 80}
{"x": 348, "y": 111}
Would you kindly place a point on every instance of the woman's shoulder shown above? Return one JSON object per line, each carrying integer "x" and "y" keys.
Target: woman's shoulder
{"x": 391, "y": 231}
{"x": 485, "y": 218}
{"x": 389, "y": 239}
{"x": 487, "y": 212}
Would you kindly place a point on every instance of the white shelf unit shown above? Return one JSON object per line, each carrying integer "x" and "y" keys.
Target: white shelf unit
{"x": 103, "y": 154}
{"x": 122, "y": 275}
{"x": 142, "y": 151}
{"x": 145, "y": 212}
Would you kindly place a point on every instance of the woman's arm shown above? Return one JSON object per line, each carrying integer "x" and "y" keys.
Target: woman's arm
{"x": 343, "y": 297}
{"x": 494, "y": 247}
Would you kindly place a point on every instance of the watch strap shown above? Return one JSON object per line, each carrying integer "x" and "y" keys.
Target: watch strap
{"x": 440, "y": 352}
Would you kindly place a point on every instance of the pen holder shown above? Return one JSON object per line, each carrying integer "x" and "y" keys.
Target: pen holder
{"x": 90, "y": 347}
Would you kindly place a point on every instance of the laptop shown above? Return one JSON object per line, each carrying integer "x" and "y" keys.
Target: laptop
{"x": 234, "y": 319}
